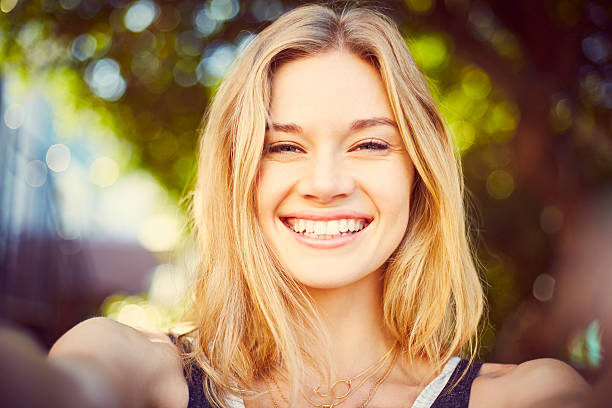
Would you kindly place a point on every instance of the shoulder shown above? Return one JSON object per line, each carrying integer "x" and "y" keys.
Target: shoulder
{"x": 135, "y": 361}
{"x": 543, "y": 383}
{"x": 103, "y": 337}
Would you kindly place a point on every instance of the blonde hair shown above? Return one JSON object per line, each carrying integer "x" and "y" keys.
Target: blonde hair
{"x": 250, "y": 314}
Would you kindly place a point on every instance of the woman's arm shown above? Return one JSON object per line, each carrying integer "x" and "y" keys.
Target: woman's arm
{"x": 113, "y": 364}
{"x": 541, "y": 383}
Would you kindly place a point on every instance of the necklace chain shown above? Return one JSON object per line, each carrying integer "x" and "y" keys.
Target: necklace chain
{"x": 375, "y": 368}
{"x": 382, "y": 379}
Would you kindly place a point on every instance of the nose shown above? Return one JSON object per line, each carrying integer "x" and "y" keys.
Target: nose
{"x": 326, "y": 179}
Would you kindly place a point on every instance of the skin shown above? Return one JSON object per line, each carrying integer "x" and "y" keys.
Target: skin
{"x": 324, "y": 167}
{"x": 324, "y": 170}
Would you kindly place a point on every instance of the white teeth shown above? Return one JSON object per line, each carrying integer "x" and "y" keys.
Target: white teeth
{"x": 333, "y": 228}
{"x": 351, "y": 224}
{"x": 326, "y": 229}
{"x": 310, "y": 226}
{"x": 301, "y": 225}
{"x": 320, "y": 228}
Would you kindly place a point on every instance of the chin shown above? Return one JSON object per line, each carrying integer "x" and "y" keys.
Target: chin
{"x": 321, "y": 277}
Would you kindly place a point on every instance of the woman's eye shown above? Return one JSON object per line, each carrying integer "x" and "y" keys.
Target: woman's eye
{"x": 283, "y": 148}
{"x": 372, "y": 145}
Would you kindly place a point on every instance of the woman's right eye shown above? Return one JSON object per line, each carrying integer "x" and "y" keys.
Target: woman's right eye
{"x": 283, "y": 148}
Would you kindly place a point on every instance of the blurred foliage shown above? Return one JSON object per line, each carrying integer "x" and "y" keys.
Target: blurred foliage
{"x": 526, "y": 89}
{"x": 139, "y": 311}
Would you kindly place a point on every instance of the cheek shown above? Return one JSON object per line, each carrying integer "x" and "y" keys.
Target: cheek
{"x": 273, "y": 184}
{"x": 390, "y": 189}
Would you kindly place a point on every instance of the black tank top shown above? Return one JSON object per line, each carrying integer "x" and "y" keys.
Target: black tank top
{"x": 450, "y": 397}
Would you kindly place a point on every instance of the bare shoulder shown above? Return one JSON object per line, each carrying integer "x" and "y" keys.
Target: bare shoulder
{"x": 101, "y": 338}
{"x": 543, "y": 383}
{"x": 139, "y": 364}
{"x": 97, "y": 330}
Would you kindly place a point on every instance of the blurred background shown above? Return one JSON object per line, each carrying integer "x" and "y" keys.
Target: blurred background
{"x": 100, "y": 105}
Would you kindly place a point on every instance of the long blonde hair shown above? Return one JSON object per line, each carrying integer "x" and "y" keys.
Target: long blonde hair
{"x": 250, "y": 314}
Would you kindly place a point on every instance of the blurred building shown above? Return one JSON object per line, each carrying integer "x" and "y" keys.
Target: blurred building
{"x": 55, "y": 267}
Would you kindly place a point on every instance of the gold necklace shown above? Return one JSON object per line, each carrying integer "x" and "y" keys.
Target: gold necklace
{"x": 382, "y": 379}
{"x": 375, "y": 367}
{"x": 339, "y": 400}
{"x": 272, "y": 396}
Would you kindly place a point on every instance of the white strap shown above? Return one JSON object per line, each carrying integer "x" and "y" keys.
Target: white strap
{"x": 429, "y": 394}
{"x": 234, "y": 401}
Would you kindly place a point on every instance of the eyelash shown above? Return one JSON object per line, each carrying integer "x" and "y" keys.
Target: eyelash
{"x": 291, "y": 148}
{"x": 371, "y": 145}
{"x": 283, "y": 148}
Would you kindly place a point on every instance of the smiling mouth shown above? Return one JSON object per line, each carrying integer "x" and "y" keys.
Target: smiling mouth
{"x": 326, "y": 230}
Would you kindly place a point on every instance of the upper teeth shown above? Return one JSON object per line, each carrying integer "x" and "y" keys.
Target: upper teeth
{"x": 332, "y": 227}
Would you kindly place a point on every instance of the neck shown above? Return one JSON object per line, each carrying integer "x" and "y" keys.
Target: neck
{"x": 353, "y": 316}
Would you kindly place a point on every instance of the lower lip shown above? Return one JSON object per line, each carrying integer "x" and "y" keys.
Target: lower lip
{"x": 326, "y": 243}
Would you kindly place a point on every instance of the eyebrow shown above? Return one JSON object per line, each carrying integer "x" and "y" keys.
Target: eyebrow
{"x": 356, "y": 125}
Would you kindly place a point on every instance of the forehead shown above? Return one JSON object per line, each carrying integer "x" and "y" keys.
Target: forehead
{"x": 330, "y": 89}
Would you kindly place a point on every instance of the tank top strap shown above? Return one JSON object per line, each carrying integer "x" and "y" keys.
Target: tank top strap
{"x": 456, "y": 393}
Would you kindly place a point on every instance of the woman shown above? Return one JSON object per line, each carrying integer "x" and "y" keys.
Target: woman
{"x": 335, "y": 267}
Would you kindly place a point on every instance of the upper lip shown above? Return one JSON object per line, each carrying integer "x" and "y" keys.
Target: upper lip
{"x": 327, "y": 215}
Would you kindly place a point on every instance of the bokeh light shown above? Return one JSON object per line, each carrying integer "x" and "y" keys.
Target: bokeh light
{"x": 217, "y": 59}
{"x": 84, "y": 47}
{"x": 222, "y": 10}
{"x": 543, "y": 287}
{"x": 146, "y": 66}
{"x": 160, "y": 233}
{"x": 500, "y": 184}
{"x": 184, "y": 72}
{"x": 561, "y": 115}
{"x": 69, "y": 4}
{"x": 169, "y": 18}
{"x": 506, "y": 44}
{"x": 168, "y": 285}
{"x": 133, "y": 315}
{"x": 420, "y": 6}
{"x": 189, "y": 44}
{"x": 597, "y": 48}
{"x": 142, "y": 311}
{"x": 35, "y": 173}
{"x": 58, "y": 157}
{"x": 464, "y": 134}
{"x": 14, "y": 115}
{"x": 429, "y": 51}
{"x": 482, "y": 22}
{"x": 204, "y": 22}
{"x": 104, "y": 172}
{"x": 266, "y": 10}
{"x": 105, "y": 80}
{"x": 475, "y": 83}
{"x": 505, "y": 116}
{"x": 140, "y": 15}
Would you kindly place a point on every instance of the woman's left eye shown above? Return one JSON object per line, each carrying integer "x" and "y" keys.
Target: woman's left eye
{"x": 371, "y": 145}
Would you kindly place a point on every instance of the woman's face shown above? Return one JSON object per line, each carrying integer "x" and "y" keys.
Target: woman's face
{"x": 335, "y": 180}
